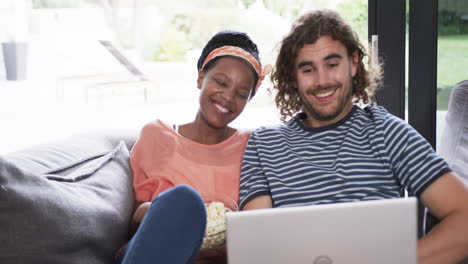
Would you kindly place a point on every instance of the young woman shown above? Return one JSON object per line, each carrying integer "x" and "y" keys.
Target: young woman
{"x": 174, "y": 165}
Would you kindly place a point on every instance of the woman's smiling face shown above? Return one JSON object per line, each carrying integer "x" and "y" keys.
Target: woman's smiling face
{"x": 225, "y": 90}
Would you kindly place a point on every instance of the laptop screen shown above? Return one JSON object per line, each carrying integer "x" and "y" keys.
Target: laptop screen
{"x": 382, "y": 231}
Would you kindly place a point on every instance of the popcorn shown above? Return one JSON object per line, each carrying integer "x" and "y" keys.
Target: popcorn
{"x": 215, "y": 225}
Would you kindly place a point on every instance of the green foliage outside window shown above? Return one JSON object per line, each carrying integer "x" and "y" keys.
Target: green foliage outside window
{"x": 56, "y": 3}
{"x": 195, "y": 24}
{"x": 356, "y": 13}
{"x": 172, "y": 47}
{"x": 452, "y": 48}
{"x": 248, "y": 3}
{"x": 452, "y": 23}
{"x": 289, "y": 9}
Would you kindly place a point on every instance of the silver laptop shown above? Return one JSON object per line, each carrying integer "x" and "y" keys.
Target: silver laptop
{"x": 367, "y": 232}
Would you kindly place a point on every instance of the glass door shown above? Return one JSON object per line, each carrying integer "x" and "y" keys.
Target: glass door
{"x": 452, "y": 58}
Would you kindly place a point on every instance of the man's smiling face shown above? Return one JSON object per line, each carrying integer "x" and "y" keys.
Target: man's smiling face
{"x": 324, "y": 72}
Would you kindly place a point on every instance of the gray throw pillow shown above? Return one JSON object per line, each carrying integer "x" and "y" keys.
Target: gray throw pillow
{"x": 79, "y": 213}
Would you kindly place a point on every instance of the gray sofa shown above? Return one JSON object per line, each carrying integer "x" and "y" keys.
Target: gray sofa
{"x": 68, "y": 201}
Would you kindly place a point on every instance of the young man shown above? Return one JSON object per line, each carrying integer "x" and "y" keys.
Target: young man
{"x": 333, "y": 151}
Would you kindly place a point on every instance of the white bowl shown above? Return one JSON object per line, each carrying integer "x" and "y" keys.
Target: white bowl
{"x": 217, "y": 205}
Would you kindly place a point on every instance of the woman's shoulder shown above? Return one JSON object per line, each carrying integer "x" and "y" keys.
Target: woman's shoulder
{"x": 153, "y": 132}
{"x": 156, "y": 124}
{"x": 244, "y": 132}
{"x": 154, "y": 129}
{"x": 236, "y": 135}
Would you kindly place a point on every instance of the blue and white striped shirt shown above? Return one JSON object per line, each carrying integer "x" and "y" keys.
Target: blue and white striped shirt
{"x": 368, "y": 155}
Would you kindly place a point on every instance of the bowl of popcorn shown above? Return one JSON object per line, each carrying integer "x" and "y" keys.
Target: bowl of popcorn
{"x": 216, "y": 208}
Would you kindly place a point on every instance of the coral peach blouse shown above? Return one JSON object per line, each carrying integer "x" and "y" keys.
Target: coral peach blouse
{"x": 162, "y": 158}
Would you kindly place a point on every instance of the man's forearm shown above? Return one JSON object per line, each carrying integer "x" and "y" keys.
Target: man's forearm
{"x": 447, "y": 242}
{"x": 259, "y": 202}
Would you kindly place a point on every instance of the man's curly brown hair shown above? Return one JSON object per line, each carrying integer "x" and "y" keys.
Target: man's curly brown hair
{"x": 307, "y": 30}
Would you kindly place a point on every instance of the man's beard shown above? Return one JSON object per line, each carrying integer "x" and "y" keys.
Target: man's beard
{"x": 324, "y": 116}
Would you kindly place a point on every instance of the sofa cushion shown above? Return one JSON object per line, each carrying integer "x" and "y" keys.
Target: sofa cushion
{"x": 78, "y": 213}
{"x": 59, "y": 153}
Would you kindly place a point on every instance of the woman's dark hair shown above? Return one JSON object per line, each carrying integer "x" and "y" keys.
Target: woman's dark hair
{"x": 307, "y": 30}
{"x": 229, "y": 38}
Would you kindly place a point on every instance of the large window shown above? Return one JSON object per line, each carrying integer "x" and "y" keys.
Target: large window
{"x": 75, "y": 85}
{"x": 452, "y": 59}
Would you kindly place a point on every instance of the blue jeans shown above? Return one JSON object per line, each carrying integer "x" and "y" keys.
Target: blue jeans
{"x": 172, "y": 229}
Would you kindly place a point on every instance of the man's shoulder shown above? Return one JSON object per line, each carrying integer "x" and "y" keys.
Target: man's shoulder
{"x": 380, "y": 115}
{"x": 376, "y": 111}
{"x": 276, "y": 129}
{"x": 384, "y": 121}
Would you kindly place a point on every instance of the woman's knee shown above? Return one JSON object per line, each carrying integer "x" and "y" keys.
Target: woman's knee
{"x": 181, "y": 194}
{"x": 185, "y": 191}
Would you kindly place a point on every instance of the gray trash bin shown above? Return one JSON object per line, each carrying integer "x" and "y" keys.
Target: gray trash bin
{"x": 15, "y": 58}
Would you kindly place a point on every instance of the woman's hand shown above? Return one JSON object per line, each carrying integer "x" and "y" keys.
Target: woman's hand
{"x": 212, "y": 256}
{"x": 140, "y": 212}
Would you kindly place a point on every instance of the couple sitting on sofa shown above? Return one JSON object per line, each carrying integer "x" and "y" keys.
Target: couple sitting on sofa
{"x": 319, "y": 73}
{"x": 359, "y": 153}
